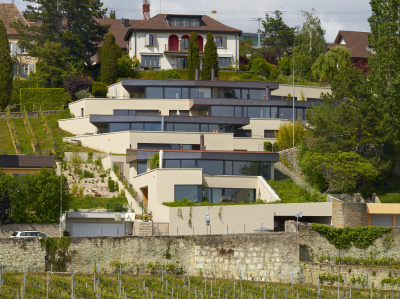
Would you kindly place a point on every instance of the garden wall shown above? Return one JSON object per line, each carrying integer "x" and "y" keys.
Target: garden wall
{"x": 273, "y": 254}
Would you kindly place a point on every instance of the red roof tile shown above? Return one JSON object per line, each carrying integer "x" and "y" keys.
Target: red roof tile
{"x": 9, "y": 13}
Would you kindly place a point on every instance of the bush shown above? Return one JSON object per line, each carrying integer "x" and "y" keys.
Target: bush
{"x": 116, "y": 207}
{"x": 111, "y": 185}
{"x": 271, "y": 147}
{"x": 76, "y": 83}
{"x": 170, "y": 74}
{"x": 88, "y": 174}
{"x": 46, "y": 98}
{"x": 99, "y": 89}
{"x": 82, "y": 94}
{"x": 246, "y": 76}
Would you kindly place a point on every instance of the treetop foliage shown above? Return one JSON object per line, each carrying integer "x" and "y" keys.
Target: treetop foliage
{"x": 110, "y": 51}
{"x": 193, "y": 58}
{"x": 210, "y": 58}
{"x": 327, "y": 65}
{"x": 6, "y": 69}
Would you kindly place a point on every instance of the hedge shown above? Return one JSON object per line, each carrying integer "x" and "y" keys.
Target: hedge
{"x": 99, "y": 89}
{"x": 46, "y": 98}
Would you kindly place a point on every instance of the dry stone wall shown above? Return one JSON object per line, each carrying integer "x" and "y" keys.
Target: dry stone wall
{"x": 31, "y": 114}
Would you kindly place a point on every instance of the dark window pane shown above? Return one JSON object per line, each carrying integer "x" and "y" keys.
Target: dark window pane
{"x": 269, "y": 134}
{"x": 154, "y": 92}
{"x": 245, "y": 94}
{"x": 228, "y": 167}
{"x": 204, "y": 128}
{"x": 185, "y": 93}
{"x": 245, "y": 168}
{"x": 257, "y": 94}
{"x": 216, "y": 195}
{"x": 265, "y": 170}
{"x": 188, "y": 164}
{"x": 242, "y": 133}
{"x": 230, "y": 93}
{"x": 226, "y": 128}
{"x": 169, "y": 126}
{"x": 141, "y": 167}
{"x": 186, "y": 127}
{"x": 121, "y": 112}
{"x": 152, "y": 126}
{"x": 132, "y": 112}
{"x": 172, "y": 164}
{"x": 137, "y": 126}
{"x": 222, "y": 111}
{"x": 238, "y": 112}
{"x": 211, "y": 167}
{"x": 200, "y": 92}
{"x": 191, "y": 192}
{"x": 300, "y": 113}
{"x": 285, "y": 113}
{"x": 173, "y": 93}
{"x": 274, "y": 112}
{"x": 115, "y": 127}
{"x": 258, "y": 112}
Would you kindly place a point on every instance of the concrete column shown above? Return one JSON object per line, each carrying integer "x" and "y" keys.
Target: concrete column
{"x": 272, "y": 171}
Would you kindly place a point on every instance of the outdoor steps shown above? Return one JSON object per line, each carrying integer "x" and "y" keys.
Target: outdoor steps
{"x": 132, "y": 202}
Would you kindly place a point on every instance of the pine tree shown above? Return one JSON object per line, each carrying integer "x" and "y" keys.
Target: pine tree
{"x": 210, "y": 58}
{"x": 112, "y": 14}
{"x": 109, "y": 54}
{"x": 193, "y": 58}
{"x": 6, "y": 69}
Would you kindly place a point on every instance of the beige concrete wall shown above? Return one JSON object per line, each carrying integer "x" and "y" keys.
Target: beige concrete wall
{"x": 299, "y": 90}
{"x": 250, "y": 144}
{"x": 160, "y": 184}
{"x": 383, "y": 208}
{"x": 238, "y": 218}
{"x": 117, "y": 91}
{"x": 115, "y": 143}
{"x": 106, "y": 106}
{"x": 258, "y": 125}
{"x": 218, "y": 141}
{"x": 78, "y": 126}
{"x": 265, "y": 192}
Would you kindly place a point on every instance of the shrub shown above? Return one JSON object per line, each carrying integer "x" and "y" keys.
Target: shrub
{"x": 170, "y": 74}
{"x": 271, "y": 147}
{"x": 246, "y": 76}
{"x": 111, "y": 185}
{"x": 82, "y": 94}
{"x": 88, "y": 174}
{"x": 76, "y": 83}
{"x": 46, "y": 98}
{"x": 99, "y": 89}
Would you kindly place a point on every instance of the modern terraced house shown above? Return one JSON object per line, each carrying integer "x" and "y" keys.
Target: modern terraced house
{"x": 209, "y": 136}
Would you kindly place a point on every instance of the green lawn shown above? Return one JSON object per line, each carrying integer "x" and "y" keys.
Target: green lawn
{"x": 389, "y": 197}
{"x": 289, "y": 192}
{"x": 6, "y": 145}
{"x": 88, "y": 202}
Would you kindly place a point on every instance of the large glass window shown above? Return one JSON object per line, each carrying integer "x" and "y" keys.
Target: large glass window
{"x": 200, "y": 92}
{"x": 191, "y": 192}
{"x": 181, "y": 63}
{"x": 186, "y": 127}
{"x": 245, "y": 168}
{"x": 274, "y": 112}
{"x": 238, "y": 112}
{"x": 154, "y": 93}
{"x": 116, "y": 127}
{"x": 188, "y": 164}
{"x": 172, "y": 164}
{"x": 150, "y": 61}
{"x": 224, "y": 62}
{"x": 152, "y": 126}
{"x": 121, "y": 112}
{"x": 222, "y": 111}
{"x": 137, "y": 126}
{"x": 173, "y": 93}
{"x": 220, "y": 41}
{"x": 184, "y": 43}
{"x": 211, "y": 167}
{"x": 258, "y": 112}
{"x": 141, "y": 167}
{"x": 300, "y": 113}
{"x": 256, "y": 94}
{"x": 285, "y": 113}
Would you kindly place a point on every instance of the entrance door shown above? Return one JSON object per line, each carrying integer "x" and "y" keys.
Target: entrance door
{"x": 145, "y": 193}
{"x": 181, "y": 62}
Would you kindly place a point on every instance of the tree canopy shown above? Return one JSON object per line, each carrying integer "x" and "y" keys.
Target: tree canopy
{"x": 6, "y": 69}
{"x": 310, "y": 40}
{"x": 34, "y": 198}
{"x": 327, "y": 65}
{"x": 278, "y": 36}
{"x": 109, "y": 54}
{"x": 70, "y": 25}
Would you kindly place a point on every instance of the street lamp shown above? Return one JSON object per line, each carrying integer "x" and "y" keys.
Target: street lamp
{"x": 299, "y": 214}
{"x": 297, "y": 30}
{"x": 61, "y": 213}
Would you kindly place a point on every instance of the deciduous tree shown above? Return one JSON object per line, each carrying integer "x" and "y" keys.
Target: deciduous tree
{"x": 328, "y": 65}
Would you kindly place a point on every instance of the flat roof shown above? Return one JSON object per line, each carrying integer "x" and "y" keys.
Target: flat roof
{"x": 145, "y": 154}
{"x": 133, "y": 84}
{"x": 27, "y": 161}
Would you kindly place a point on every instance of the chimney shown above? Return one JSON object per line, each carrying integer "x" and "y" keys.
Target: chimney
{"x": 196, "y": 73}
{"x": 214, "y": 14}
{"x": 267, "y": 92}
{"x": 125, "y": 23}
{"x": 212, "y": 74}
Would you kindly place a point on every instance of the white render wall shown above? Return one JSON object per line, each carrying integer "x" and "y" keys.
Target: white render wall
{"x": 137, "y": 47}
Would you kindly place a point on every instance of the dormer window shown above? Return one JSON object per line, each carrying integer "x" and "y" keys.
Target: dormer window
{"x": 184, "y": 22}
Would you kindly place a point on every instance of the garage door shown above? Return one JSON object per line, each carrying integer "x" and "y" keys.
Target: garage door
{"x": 97, "y": 229}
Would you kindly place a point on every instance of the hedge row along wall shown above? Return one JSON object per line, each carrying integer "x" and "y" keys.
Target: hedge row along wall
{"x": 46, "y": 98}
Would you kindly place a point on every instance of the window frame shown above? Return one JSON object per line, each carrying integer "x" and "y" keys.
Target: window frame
{"x": 223, "y": 38}
{"x": 150, "y": 40}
